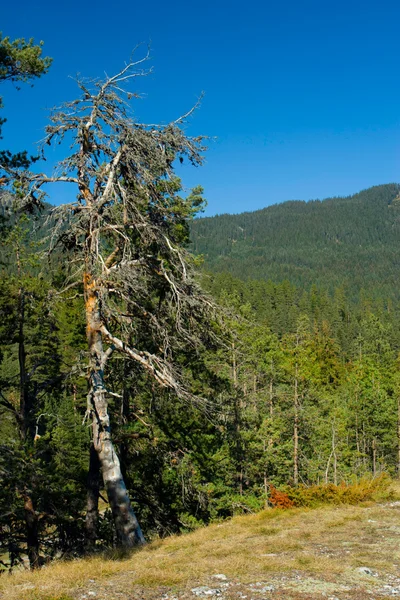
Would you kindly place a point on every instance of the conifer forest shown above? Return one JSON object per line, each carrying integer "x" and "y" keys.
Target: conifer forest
{"x": 159, "y": 370}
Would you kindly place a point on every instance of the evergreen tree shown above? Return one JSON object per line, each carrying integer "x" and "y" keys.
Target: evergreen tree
{"x": 21, "y": 61}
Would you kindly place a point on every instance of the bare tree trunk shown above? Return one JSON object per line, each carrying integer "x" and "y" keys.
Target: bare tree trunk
{"x": 358, "y": 443}
{"x": 357, "y": 437}
{"x": 270, "y": 440}
{"x": 25, "y": 408}
{"x": 238, "y": 444}
{"x": 237, "y": 423}
{"x": 296, "y": 432}
{"x": 92, "y": 503}
{"x": 266, "y": 486}
{"x": 364, "y": 443}
{"x": 266, "y": 504}
{"x": 334, "y": 456}
{"x": 24, "y": 400}
{"x": 271, "y": 398}
{"x": 335, "y": 468}
{"x": 234, "y": 366}
{"x": 32, "y": 537}
{"x": 125, "y": 414}
{"x": 328, "y": 464}
{"x": 74, "y": 398}
{"x": 374, "y": 456}
{"x": 271, "y": 409}
{"x": 127, "y": 527}
{"x": 398, "y": 436}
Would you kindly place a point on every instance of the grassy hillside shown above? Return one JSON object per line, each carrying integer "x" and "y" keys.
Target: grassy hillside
{"x": 337, "y": 552}
{"x": 348, "y": 242}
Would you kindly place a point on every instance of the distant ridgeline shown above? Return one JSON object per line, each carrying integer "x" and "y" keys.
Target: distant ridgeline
{"x": 35, "y": 218}
{"x": 351, "y": 243}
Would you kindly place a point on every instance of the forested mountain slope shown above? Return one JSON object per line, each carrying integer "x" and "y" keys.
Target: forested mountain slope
{"x": 350, "y": 242}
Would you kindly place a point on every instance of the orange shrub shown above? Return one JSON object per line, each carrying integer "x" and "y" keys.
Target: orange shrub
{"x": 279, "y": 499}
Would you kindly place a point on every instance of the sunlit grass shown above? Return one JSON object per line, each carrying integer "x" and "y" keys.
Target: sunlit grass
{"x": 245, "y": 548}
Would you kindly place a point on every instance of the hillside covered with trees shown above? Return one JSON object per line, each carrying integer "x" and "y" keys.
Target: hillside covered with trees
{"x": 338, "y": 242}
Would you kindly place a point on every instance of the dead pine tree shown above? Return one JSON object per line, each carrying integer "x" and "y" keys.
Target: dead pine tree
{"x": 125, "y": 236}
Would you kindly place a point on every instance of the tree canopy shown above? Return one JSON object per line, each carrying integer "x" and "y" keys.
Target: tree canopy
{"x": 21, "y": 61}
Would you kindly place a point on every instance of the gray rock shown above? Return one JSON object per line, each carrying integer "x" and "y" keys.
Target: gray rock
{"x": 261, "y": 588}
{"x": 220, "y": 577}
{"x": 365, "y": 570}
{"x": 205, "y": 591}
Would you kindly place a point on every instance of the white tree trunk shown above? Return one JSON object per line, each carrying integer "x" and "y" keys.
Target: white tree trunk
{"x": 127, "y": 527}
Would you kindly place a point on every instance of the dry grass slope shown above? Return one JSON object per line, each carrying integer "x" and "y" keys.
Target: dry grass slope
{"x": 325, "y": 545}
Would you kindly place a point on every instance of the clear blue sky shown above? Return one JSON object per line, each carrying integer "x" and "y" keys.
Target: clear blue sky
{"x": 302, "y": 96}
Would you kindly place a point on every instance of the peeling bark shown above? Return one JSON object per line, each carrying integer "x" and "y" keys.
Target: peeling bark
{"x": 127, "y": 526}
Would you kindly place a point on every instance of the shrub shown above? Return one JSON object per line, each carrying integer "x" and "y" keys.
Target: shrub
{"x": 279, "y": 499}
{"x": 361, "y": 491}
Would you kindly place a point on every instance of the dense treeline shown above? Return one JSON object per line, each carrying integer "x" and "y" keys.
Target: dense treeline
{"x": 326, "y": 369}
{"x": 339, "y": 242}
